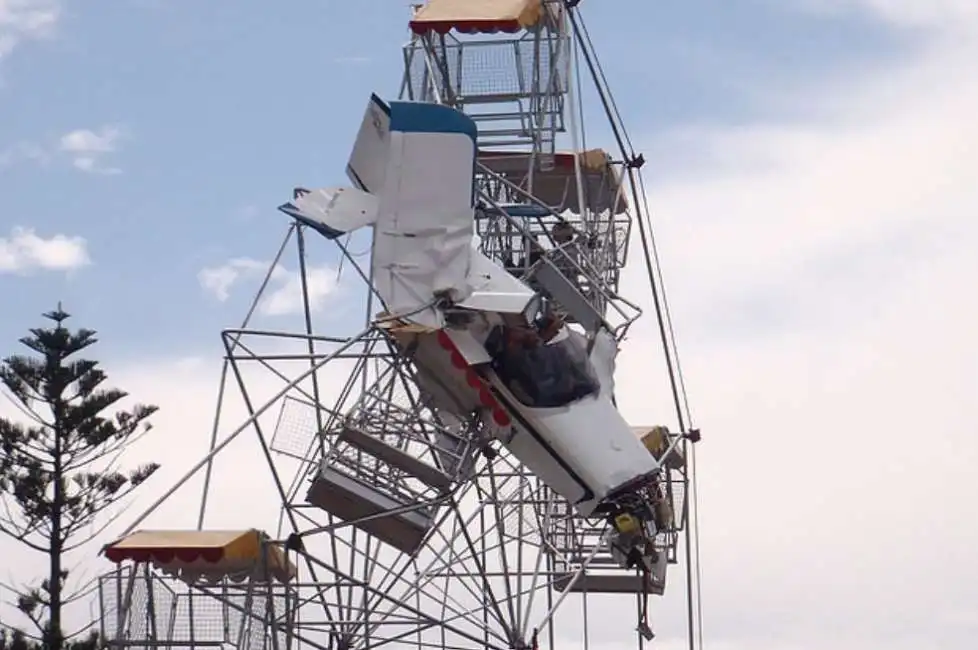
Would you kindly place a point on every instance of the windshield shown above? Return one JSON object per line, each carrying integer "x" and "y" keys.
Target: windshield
{"x": 539, "y": 374}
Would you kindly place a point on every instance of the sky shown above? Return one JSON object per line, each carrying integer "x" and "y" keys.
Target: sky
{"x": 811, "y": 173}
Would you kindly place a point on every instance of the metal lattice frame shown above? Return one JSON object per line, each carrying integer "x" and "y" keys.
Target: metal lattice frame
{"x": 483, "y": 553}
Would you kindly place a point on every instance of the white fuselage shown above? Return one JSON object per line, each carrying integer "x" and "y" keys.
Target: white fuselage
{"x": 583, "y": 451}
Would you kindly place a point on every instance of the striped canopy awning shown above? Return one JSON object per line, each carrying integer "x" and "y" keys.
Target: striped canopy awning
{"x": 477, "y": 16}
{"x": 205, "y": 554}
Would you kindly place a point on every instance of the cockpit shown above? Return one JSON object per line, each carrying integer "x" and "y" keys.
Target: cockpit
{"x": 542, "y": 371}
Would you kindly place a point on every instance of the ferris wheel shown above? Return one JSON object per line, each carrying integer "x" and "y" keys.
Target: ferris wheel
{"x": 403, "y": 524}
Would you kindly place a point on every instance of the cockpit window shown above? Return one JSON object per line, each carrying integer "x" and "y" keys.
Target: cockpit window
{"x": 541, "y": 374}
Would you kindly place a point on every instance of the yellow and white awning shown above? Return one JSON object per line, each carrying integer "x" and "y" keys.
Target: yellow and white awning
{"x": 211, "y": 555}
{"x": 477, "y": 16}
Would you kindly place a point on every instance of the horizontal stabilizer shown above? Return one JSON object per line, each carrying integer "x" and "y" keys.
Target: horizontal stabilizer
{"x": 333, "y": 211}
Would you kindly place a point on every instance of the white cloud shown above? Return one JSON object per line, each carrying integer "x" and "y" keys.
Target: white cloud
{"x": 24, "y": 251}
{"x": 887, "y": 165}
{"x": 88, "y": 148}
{"x": 22, "y": 151}
{"x": 284, "y": 293}
{"x": 941, "y": 15}
{"x": 287, "y": 297}
{"x": 89, "y": 142}
{"x": 218, "y": 280}
{"x": 820, "y": 275}
{"x": 22, "y": 20}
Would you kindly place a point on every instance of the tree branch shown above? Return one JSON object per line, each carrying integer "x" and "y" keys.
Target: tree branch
{"x": 111, "y": 520}
{"x": 36, "y": 453}
{"x": 9, "y": 517}
{"x": 23, "y": 539}
{"x": 117, "y": 447}
{"x": 27, "y": 635}
{"x": 24, "y": 409}
{"x": 91, "y": 624}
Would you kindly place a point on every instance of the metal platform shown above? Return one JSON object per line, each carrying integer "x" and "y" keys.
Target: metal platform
{"x": 604, "y": 576}
{"x": 359, "y": 504}
{"x": 575, "y": 540}
{"x": 553, "y": 180}
{"x": 618, "y": 583}
{"x": 380, "y": 489}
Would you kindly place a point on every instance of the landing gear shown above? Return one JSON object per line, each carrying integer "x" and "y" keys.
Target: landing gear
{"x": 632, "y": 540}
{"x": 632, "y": 544}
{"x": 644, "y": 628}
{"x": 646, "y": 631}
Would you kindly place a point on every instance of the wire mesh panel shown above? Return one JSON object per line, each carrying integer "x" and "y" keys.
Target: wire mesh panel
{"x": 492, "y": 69}
{"x": 142, "y": 609}
{"x": 514, "y": 88}
{"x": 297, "y": 428}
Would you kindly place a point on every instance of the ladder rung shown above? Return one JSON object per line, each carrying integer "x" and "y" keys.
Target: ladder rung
{"x": 499, "y": 117}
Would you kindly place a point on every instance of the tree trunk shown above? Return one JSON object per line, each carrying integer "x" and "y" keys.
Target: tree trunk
{"x": 55, "y": 640}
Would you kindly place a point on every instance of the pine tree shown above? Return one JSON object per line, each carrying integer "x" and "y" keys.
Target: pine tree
{"x": 59, "y": 468}
{"x": 14, "y": 640}
{"x": 17, "y": 640}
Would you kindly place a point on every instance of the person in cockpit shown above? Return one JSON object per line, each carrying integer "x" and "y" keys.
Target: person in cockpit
{"x": 539, "y": 371}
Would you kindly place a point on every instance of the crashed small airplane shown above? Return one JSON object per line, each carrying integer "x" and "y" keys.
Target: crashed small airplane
{"x": 484, "y": 343}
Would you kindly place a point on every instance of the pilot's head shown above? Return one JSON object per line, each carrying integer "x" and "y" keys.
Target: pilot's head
{"x": 549, "y": 326}
{"x": 563, "y": 232}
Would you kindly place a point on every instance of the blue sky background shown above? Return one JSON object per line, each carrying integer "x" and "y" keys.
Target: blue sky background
{"x": 225, "y": 106}
{"x": 812, "y": 171}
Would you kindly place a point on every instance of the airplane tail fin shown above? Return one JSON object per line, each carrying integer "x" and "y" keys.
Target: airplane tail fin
{"x": 413, "y": 168}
